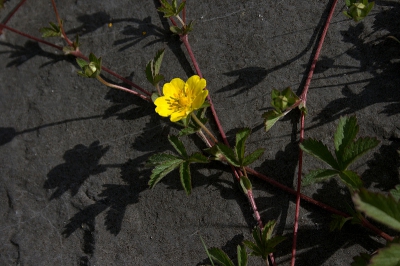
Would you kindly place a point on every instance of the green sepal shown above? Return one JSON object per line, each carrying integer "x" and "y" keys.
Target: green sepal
{"x": 91, "y": 69}
{"x": 154, "y": 96}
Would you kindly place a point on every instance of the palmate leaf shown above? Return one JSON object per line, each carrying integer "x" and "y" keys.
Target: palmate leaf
{"x": 318, "y": 175}
{"x": 356, "y": 149}
{"x": 317, "y": 149}
{"x": 198, "y": 158}
{"x": 164, "y": 164}
{"x": 346, "y": 132}
{"x": 387, "y": 256}
{"x": 384, "y": 209}
{"x": 220, "y": 257}
{"x": 241, "y": 137}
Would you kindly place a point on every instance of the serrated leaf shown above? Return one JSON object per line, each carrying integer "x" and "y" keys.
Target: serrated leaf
{"x": 149, "y": 72}
{"x": 157, "y": 79}
{"x": 228, "y": 153}
{"x": 162, "y": 170}
{"x": 346, "y": 132}
{"x": 186, "y": 179}
{"x": 356, "y": 149}
{"x": 220, "y": 257}
{"x": 241, "y": 137}
{"x": 319, "y": 150}
{"x": 180, "y": 8}
{"x": 81, "y": 62}
{"x": 198, "y": 158}
{"x": 384, "y": 209}
{"x": 387, "y": 256}
{"x": 241, "y": 255}
{"x": 351, "y": 179}
{"x": 337, "y": 222}
{"x": 158, "y": 60}
{"x": 160, "y": 158}
{"x": 396, "y": 192}
{"x": 361, "y": 260}
{"x": 271, "y": 117}
{"x": 253, "y": 157}
{"x": 318, "y": 175}
{"x": 178, "y": 146}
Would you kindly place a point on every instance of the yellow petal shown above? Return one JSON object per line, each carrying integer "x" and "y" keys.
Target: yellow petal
{"x": 163, "y": 108}
{"x": 195, "y": 85}
{"x": 176, "y": 116}
{"x": 199, "y": 100}
{"x": 174, "y": 87}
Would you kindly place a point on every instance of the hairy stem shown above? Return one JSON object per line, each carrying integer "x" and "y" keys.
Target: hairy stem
{"x": 203, "y": 127}
{"x": 122, "y": 89}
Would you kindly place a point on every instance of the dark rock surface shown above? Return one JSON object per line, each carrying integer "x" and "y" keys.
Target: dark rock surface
{"x": 73, "y": 185}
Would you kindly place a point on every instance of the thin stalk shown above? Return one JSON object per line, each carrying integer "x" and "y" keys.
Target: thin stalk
{"x": 303, "y": 97}
{"x": 69, "y": 42}
{"x": 203, "y": 127}
{"x": 122, "y": 89}
{"x": 5, "y": 21}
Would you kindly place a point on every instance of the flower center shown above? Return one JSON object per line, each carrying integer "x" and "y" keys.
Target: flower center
{"x": 184, "y": 101}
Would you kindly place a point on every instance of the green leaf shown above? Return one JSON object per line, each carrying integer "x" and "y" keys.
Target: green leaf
{"x": 186, "y": 178}
{"x": 208, "y": 253}
{"x": 176, "y": 30}
{"x": 318, "y": 175}
{"x": 154, "y": 96}
{"x": 158, "y": 60}
{"x": 220, "y": 257}
{"x": 149, "y": 72}
{"x": 228, "y": 153}
{"x": 178, "y": 146}
{"x": 246, "y": 184}
{"x": 319, "y": 150}
{"x": 351, "y": 179}
{"x": 241, "y": 255}
{"x": 384, "y": 209}
{"x": 253, "y": 157}
{"x": 163, "y": 168}
{"x": 338, "y": 222}
{"x": 53, "y": 31}
{"x": 396, "y": 192}
{"x": 356, "y": 149}
{"x": 361, "y": 260}
{"x": 271, "y": 117}
{"x": 346, "y": 132}
{"x": 198, "y": 158}
{"x": 387, "y": 256}
{"x": 241, "y": 137}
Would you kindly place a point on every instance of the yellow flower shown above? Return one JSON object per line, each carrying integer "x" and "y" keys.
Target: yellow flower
{"x": 180, "y": 98}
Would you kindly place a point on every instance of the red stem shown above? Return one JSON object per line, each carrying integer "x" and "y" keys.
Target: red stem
{"x": 69, "y": 42}
{"x": 303, "y": 96}
{"x": 11, "y": 15}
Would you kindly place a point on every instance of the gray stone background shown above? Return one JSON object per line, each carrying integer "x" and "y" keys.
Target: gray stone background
{"x": 73, "y": 181}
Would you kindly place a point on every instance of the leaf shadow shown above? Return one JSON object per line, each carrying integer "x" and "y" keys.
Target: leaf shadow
{"x": 90, "y": 23}
{"x": 247, "y": 78}
{"x": 80, "y": 163}
{"x": 31, "y": 49}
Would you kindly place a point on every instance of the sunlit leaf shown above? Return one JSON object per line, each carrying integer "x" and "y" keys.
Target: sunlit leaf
{"x": 271, "y": 117}
{"x": 178, "y": 146}
{"x": 346, "y": 132}
{"x": 228, "y": 153}
{"x": 356, "y": 149}
{"x": 220, "y": 257}
{"x": 384, "y": 209}
{"x": 317, "y": 149}
{"x": 318, "y": 175}
{"x": 241, "y": 137}
{"x": 186, "y": 179}
{"x": 253, "y": 157}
